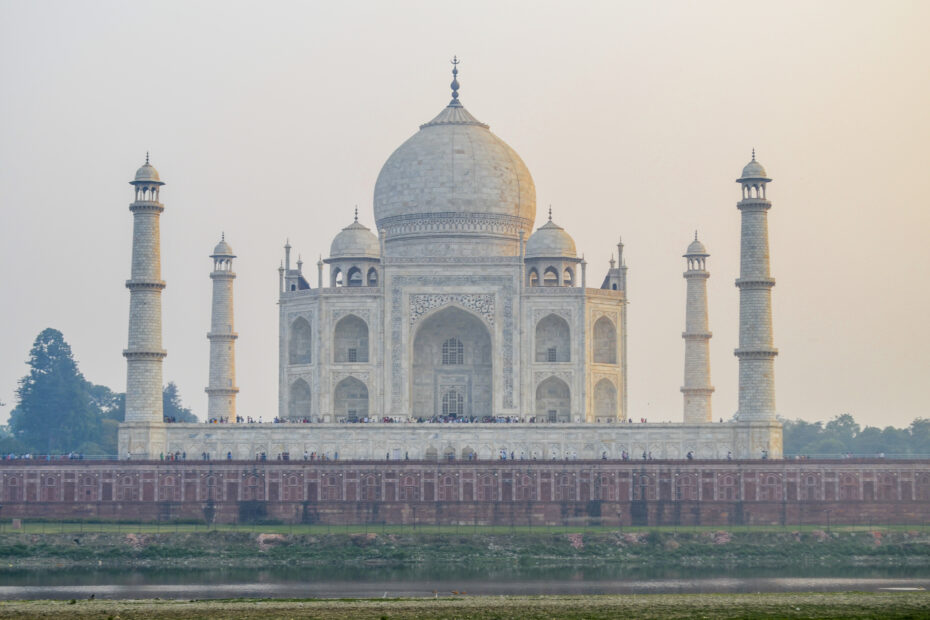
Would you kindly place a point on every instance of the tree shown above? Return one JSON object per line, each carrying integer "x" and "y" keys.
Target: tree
{"x": 843, "y": 428}
{"x": 798, "y": 434}
{"x": 920, "y": 436}
{"x": 171, "y": 403}
{"x": 55, "y": 411}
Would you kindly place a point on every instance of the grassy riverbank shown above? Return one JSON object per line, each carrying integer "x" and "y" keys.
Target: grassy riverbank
{"x": 222, "y": 548}
{"x": 648, "y": 607}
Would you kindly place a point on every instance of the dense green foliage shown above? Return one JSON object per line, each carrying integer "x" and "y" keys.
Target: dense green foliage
{"x": 59, "y": 411}
{"x": 842, "y": 436}
{"x": 171, "y": 403}
{"x": 481, "y": 552}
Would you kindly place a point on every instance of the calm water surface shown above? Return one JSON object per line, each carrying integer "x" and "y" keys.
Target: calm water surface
{"x": 334, "y": 582}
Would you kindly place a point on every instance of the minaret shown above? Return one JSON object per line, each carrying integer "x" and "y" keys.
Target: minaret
{"x": 222, "y": 389}
{"x": 144, "y": 354}
{"x": 697, "y": 389}
{"x": 756, "y": 352}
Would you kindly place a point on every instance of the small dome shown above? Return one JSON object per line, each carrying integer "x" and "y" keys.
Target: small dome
{"x": 147, "y": 174}
{"x": 696, "y": 248}
{"x": 550, "y": 241}
{"x": 754, "y": 170}
{"x": 355, "y": 241}
{"x": 222, "y": 248}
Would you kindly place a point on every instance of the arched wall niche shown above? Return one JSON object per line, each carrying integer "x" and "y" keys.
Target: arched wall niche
{"x": 553, "y": 339}
{"x": 605, "y": 341}
{"x": 299, "y": 401}
{"x": 436, "y": 386}
{"x": 605, "y": 400}
{"x": 350, "y": 340}
{"x": 300, "y": 342}
{"x": 350, "y": 400}
{"x": 553, "y": 401}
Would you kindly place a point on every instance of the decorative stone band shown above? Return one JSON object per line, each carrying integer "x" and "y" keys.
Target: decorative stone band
{"x": 697, "y": 335}
{"x": 758, "y": 353}
{"x": 463, "y": 260}
{"x": 698, "y": 390}
{"x": 222, "y": 335}
{"x": 696, "y": 274}
{"x": 145, "y": 284}
{"x": 452, "y": 222}
{"x": 226, "y": 391}
{"x": 481, "y": 304}
{"x": 599, "y": 292}
{"x": 223, "y": 275}
{"x": 755, "y": 282}
{"x": 144, "y": 355}
{"x": 754, "y": 204}
{"x": 564, "y": 291}
{"x": 146, "y": 205}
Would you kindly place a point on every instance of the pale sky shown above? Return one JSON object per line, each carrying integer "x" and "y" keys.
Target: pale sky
{"x": 270, "y": 120}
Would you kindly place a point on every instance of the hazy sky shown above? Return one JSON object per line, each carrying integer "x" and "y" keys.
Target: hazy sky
{"x": 270, "y": 120}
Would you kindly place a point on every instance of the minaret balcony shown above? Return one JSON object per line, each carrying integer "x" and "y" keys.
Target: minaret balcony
{"x": 756, "y": 352}
{"x": 146, "y": 205}
{"x": 755, "y": 282}
{"x": 145, "y": 284}
{"x": 145, "y": 355}
{"x": 754, "y": 204}
{"x": 697, "y": 335}
{"x": 222, "y": 335}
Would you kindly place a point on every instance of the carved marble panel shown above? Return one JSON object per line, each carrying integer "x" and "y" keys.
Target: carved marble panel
{"x": 479, "y": 303}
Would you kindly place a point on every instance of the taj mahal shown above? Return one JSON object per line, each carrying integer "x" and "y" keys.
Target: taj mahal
{"x": 453, "y": 329}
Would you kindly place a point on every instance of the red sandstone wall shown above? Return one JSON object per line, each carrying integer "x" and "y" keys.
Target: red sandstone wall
{"x": 467, "y": 493}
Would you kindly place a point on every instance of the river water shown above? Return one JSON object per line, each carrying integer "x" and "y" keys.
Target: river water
{"x": 377, "y": 582}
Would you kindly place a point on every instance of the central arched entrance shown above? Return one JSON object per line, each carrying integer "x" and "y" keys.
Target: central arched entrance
{"x": 451, "y": 370}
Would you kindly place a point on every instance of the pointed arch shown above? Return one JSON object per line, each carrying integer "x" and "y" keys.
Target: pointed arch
{"x": 298, "y": 404}
{"x": 568, "y": 277}
{"x": 299, "y": 343}
{"x": 354, "y": 277}
{"x": 605, "y": 341}
{"x": 551, "y": 277}
{"x": 533, "y": 279}
{"x": 372, "y": 277}
{"x": 553, "y": 339}
{"x": 350, "y": 399}
{"x": 350, "y": 340}
{"x": 451, "y": 349}
{"x": 553, "y": 401}
{"x": 605, "y": 400}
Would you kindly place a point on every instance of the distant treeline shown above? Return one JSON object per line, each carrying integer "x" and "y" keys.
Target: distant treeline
{"x": 842, "y": 436}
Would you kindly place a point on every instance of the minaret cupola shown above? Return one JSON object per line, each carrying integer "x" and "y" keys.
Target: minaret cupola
{"x": 754, "y": 179}
{"x": 147, "y": 182}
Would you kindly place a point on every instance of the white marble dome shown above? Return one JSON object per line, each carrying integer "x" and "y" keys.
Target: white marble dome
{"x": 147, "y": 174}
{"x": 696, "y": 248}
{"x": 355, "y": 241}
{"x": 550, "y": 241}
{"x": 754, "y": 170}
{"x": 223, "y": 249}
{"x": 454, "y": 177}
